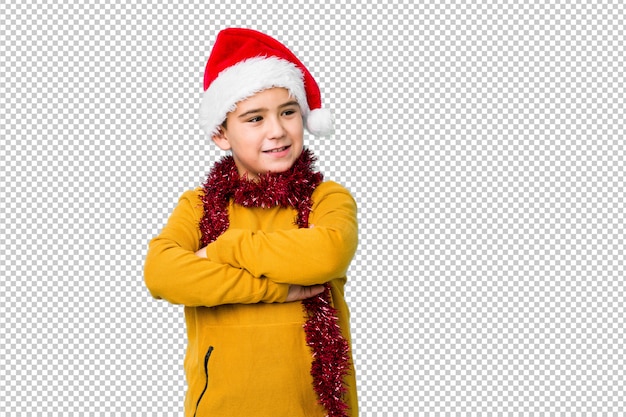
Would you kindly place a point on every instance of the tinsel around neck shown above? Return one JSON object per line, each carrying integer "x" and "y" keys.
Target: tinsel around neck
{"x": 292, "y": 188}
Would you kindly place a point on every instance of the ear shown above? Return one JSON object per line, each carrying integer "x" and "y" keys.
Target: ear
{"x": 221, "y": 140}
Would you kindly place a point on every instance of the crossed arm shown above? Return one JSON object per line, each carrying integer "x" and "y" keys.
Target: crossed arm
{"x": 244, "y": 266}
{"x": 296, "y": 292}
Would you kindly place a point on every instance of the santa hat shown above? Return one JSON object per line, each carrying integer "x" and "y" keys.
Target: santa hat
{"x": 244, "y": 62}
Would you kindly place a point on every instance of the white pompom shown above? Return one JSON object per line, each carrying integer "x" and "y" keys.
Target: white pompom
{"x": 320, "y": 122}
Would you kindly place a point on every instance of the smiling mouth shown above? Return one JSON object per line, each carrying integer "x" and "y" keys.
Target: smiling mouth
{"x": 281, "y": 149}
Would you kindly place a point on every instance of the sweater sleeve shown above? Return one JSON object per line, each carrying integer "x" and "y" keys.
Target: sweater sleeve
{"x": 310, "y": 256}
{"x": 175, "y": 273}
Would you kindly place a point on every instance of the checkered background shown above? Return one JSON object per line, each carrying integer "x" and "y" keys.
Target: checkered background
{"x": 483, "y": 141}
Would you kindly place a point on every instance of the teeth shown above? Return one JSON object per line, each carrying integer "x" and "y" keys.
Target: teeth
{"x": 278, "y": 150}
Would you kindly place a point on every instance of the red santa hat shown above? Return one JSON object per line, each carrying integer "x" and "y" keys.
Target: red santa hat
{"x": 244, "y": 62}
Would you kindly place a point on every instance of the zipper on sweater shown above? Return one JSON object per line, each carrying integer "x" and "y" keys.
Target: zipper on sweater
{"x": 206, "y": 376}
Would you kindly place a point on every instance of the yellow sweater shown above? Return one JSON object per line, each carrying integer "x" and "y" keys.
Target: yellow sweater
{"x": 252, "y": 342}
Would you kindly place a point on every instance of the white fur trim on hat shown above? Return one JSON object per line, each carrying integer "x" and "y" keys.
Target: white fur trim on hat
{"x": 245, "y": 79}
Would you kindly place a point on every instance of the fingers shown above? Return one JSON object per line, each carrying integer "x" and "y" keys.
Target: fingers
{"x": 299, "y": 292}
{"x": 315, "y": 290}
{"x": 201, "y": 252}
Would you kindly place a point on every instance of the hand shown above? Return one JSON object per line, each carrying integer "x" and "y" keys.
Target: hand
{"x": 201, "y": 252}
{"x": 298, "y": 292}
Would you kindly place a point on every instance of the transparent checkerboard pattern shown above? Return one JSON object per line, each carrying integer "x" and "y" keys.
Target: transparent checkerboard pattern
{"x": 483, "y": 141}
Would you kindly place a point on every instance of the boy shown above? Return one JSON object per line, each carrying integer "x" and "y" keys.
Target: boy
{"x": 267, "y": 324}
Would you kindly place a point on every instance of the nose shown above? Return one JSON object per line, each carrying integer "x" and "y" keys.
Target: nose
{"x": 275, "y": 128}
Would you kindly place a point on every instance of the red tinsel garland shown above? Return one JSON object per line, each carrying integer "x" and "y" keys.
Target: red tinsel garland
{"x": 292, "y": 188}
{"x": 330, "y": 353}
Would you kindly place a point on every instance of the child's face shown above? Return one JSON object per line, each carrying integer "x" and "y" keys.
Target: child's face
{"x": 264, "y": 133}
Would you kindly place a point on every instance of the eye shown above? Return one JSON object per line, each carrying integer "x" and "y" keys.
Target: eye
{"x": 289, "y": 112}
{"x": 255, "y": 119}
